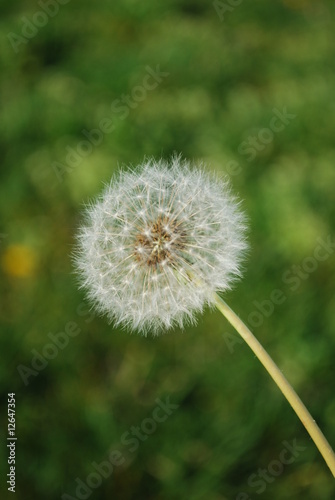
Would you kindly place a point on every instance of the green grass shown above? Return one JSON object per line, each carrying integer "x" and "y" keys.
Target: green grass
{"x": 224, "y": 80}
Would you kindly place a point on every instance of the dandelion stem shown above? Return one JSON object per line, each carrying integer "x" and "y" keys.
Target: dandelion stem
{"x": 283, "y": 384}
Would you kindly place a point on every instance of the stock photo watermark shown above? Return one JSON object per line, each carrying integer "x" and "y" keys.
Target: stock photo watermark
{"x": 222, "y": 8}
{"x": 254, "y": 144}
{"x": 58, "y": 342}
{"x": 257, "y": 143}
{"x": 120, "y": 109}
{"x": 130, "y": 442}
{"x": 11, "y": 443}
{"x": 30, "y": 27}
{"x": 293, "y": 277}
{"x": 260, "y": 479}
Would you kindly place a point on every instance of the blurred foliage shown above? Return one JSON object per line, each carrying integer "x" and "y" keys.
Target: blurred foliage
{"x": 225, "y": 79}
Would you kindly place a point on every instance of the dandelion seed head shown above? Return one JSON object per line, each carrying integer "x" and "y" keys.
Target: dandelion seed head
{"x": 158, "y": 242}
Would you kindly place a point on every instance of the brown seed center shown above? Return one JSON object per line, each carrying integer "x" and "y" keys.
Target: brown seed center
{"x": 158, "y": 243}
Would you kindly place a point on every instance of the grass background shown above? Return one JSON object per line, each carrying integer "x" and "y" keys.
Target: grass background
{"x": 225, "y": 78}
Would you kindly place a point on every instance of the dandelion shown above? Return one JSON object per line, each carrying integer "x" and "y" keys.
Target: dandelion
{"x": 150, "y": 232}
{"x": 159, "y": 245}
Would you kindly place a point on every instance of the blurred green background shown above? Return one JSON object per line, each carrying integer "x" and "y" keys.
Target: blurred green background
{"x": 229, "y": 69}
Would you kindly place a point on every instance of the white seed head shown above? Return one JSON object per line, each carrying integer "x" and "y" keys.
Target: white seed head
{"x": 158, "y": 242}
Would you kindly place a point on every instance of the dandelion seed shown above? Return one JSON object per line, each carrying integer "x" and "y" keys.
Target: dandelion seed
{"x": 152, "y": 230}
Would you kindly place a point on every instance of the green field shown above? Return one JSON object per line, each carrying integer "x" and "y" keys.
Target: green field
{"x": 246, "y": 87}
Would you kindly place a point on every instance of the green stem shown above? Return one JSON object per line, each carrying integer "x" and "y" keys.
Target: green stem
{"x": 286, "y": 388}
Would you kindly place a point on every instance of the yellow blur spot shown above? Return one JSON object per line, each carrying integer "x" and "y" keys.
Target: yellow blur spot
{"x": 19, "y": 261}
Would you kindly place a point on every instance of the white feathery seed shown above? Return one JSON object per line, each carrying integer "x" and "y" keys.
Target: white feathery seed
{"x": 158, "y": 242}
